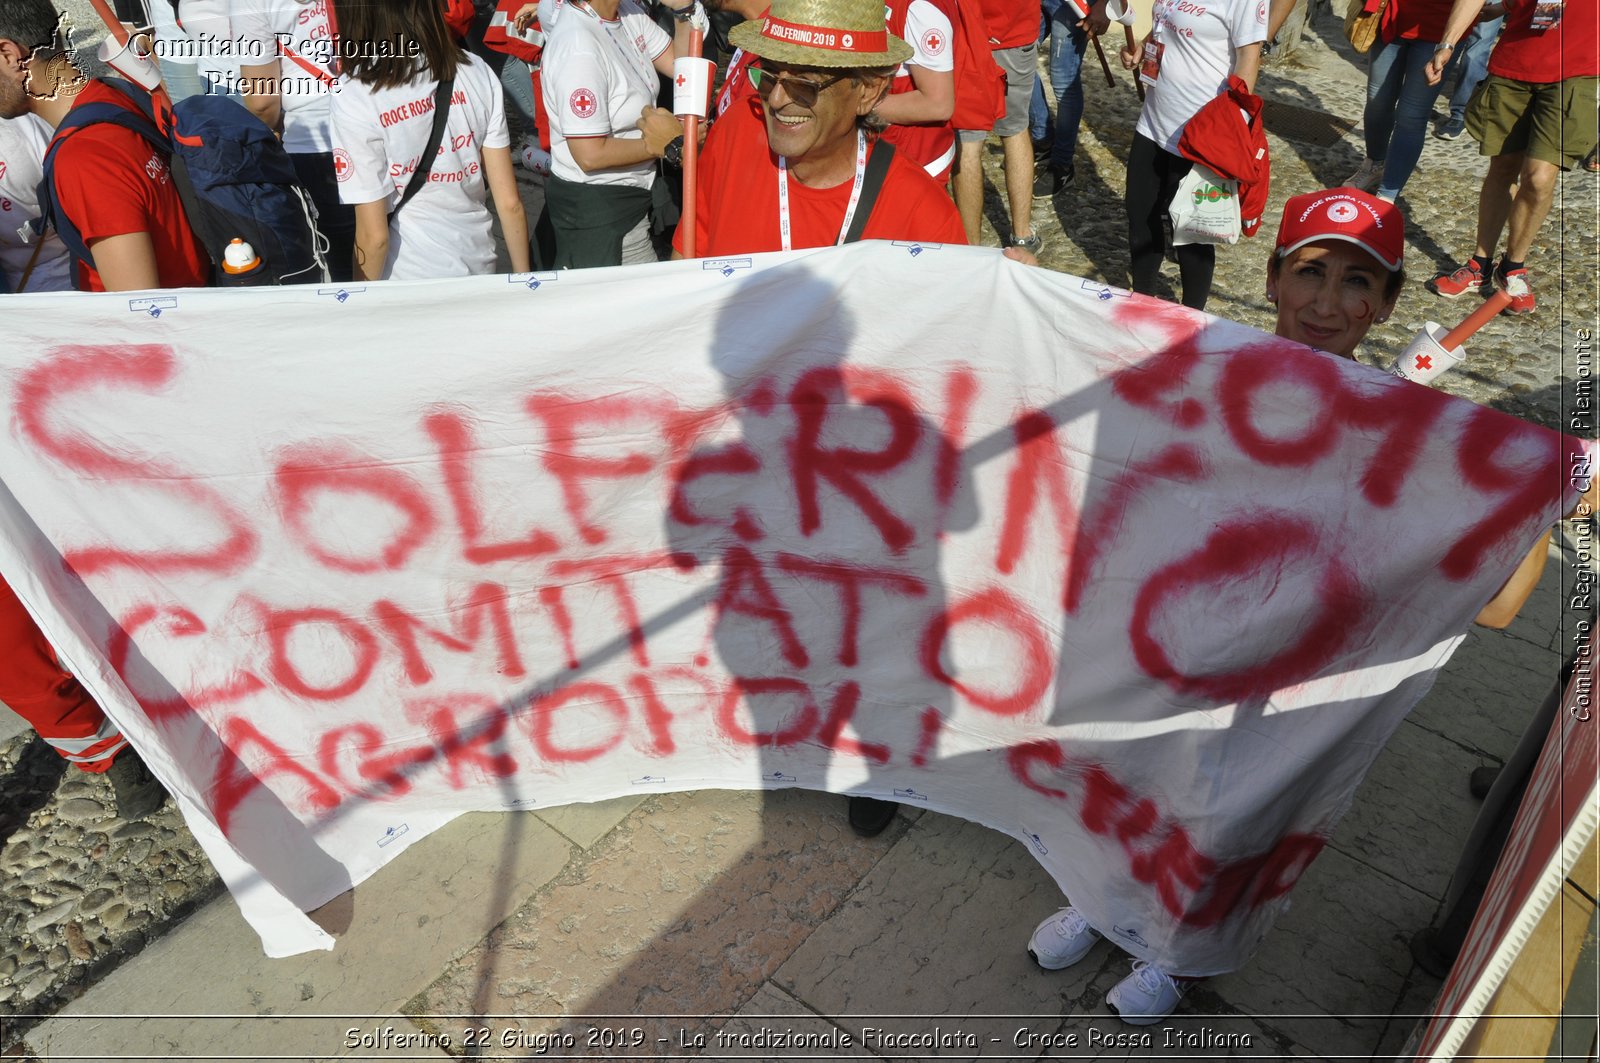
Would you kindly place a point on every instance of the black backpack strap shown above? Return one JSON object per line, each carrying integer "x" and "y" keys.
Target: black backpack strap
{"x": 871, "y": 185}
{"x": 441, "y": 112}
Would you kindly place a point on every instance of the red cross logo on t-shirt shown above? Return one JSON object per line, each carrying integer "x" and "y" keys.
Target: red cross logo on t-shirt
{"x": 342, "y": 167}
{"x": 933, "y": 42}
{"x": 582, "y": 102}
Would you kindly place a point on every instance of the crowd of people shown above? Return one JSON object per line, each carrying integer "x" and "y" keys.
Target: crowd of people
{"x": 835, "y": 120}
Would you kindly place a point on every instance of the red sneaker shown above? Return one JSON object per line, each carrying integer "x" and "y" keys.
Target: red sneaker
{"x": 1516, "y": 285}
{"x": 1461, "y": 280}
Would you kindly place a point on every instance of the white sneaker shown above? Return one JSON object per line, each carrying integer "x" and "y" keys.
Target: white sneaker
{"x": 1062, "y": 940}
{"x": 1146, "y": 996}
{"x": 1367, "y": 177}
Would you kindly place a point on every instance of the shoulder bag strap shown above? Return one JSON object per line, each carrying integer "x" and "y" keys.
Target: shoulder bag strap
{"x": 441, "y": 112}
{"x": 871, "y": 185}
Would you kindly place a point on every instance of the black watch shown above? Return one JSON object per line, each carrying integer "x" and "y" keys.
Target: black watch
{"x": 672, "y": 154}
{"x": 683, "y": 14}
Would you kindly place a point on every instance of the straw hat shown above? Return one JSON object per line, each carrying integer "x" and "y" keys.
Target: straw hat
{"x": 836, "y": 33}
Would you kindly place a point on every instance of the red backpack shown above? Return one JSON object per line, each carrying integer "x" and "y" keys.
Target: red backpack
{"x": 980, "y": 83}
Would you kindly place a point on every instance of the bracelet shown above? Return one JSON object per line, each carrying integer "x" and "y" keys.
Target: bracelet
{"x": 1446, "y": 45}
{"x": 683, "y": 14}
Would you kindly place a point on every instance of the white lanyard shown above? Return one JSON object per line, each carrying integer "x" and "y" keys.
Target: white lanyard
{"x": 631, "y": 58}
{"x": 855, "y": 192}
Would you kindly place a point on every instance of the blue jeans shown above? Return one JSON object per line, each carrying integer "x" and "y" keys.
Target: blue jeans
{"x": 517, "y": 80}
{"x": 1474, "y": 64}
{"x": 1399, "y": 102}
{"x": 1067, "y": 44}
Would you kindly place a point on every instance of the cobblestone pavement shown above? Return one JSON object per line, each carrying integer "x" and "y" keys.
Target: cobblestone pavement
{"x": 80, "y": 890}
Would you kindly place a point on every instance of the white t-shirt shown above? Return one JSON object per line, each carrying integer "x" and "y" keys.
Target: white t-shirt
{"x": 598, "y": 79}
{"x": 22, "y": 145}
{"x": 931, "y": 38}
{"x": 1198, "y": 38}
{"x": 304, "y": 30}
{"x": 378, "y": 137}
{"x": 204, "y": 41}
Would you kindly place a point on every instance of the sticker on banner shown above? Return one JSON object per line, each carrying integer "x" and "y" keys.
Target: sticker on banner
{"x": 340, "y": 294}
{"x": 532, "y": 281}
{"x": 392, "y": 833}
{"x": 153, "y": 307}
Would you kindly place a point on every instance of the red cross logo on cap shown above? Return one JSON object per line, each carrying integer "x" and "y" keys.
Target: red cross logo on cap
{"x": 342, "y": 167}
{"x": 582, "y": 102}
{"x": 932, "y": 42}
{"x": 1342, "y": 213}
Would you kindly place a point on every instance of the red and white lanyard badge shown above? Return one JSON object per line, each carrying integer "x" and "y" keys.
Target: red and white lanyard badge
{"x": 855, "y": 193}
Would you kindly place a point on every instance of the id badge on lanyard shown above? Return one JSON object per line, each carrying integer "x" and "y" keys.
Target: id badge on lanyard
{"x": 1546, "y": 13}
{"x": 1150, "y": 64}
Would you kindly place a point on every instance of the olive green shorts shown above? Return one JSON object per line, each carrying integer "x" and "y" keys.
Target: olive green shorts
{"x": 1554, "y": 122}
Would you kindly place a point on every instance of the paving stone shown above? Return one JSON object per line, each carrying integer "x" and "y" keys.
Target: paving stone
{"x": 1331, "y": 970}
{"x": 585, "y": 824}
{"x": 208, "y": 988}
{"x": 1487, "y": 692}
{"x": 1196, "y": 1031}
{"x": 77, "y": 943}
{"x": 902, "y": 944}
{"x": 82, "y": 810}
{"x": 685, "y": 908}
{"x": 50, "y": 916}
{"x": 773, "y": 1027}
{"x": 1391, "y": 830}
{"x": 1418, "y": 1000}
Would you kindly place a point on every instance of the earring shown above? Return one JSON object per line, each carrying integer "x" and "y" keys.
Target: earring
{"x": 1272, "y": 296}
{"x": 1381, "y": 319}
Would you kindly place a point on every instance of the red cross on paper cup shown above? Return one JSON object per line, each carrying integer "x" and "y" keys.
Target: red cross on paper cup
{"x": 1424, "y": 361}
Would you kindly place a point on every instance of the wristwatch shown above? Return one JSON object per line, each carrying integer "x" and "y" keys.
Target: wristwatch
{"x": 672, "y": 154}
{"x": 683, "y": 14}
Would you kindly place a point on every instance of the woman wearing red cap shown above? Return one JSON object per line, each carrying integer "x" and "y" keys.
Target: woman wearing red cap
{"x": 1335, "y": 272}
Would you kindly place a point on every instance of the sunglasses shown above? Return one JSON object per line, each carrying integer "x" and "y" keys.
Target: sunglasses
{"x": 802, "y": 91}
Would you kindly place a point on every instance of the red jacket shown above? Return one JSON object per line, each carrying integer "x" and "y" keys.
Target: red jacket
{"x": 1223, "y": 139}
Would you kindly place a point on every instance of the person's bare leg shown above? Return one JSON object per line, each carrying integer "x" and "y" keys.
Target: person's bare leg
{"x": 1530, "y": 206}
{"x": 966, "y": 182}
{"x": 1019, "y": 182}
{"x": 1494, "y": 201}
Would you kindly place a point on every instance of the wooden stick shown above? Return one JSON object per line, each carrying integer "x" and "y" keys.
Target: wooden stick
{"x": 1111, "y": 82}
{"x": 1133, "y": 46}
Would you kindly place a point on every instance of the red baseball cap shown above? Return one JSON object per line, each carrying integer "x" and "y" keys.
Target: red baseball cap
{"x": 1348, "y": 214}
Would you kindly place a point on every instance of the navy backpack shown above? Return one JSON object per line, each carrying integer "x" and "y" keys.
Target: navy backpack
{"x": 234, "y": 178}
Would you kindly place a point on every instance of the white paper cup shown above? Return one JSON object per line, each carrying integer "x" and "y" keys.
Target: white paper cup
{"x": 138, "y": 67}
{"x": 1119, "y": 11}
{"x": 1425, "y": 357}
{"x": 691, "y": 85}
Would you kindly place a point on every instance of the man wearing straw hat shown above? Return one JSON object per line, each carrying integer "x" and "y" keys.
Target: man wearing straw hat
{"x": 799, "y": 163}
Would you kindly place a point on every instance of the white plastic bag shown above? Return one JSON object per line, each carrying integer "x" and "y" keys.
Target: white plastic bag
{"x": 1205, "y": 209}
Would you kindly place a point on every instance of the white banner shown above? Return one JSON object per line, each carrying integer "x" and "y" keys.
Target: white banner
{"x": 1142, "y": 588}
